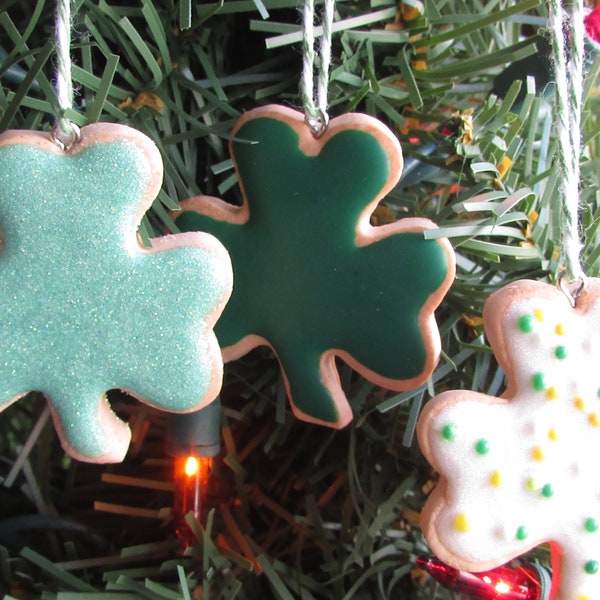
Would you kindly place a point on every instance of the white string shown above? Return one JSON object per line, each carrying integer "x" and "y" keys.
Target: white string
{"x": 308, "y": 58}
{"x": 325, "y": 62}
{"x": 568, "y": 33}
{"x": 315, "y": 105}
{"x": 65, "y": 133}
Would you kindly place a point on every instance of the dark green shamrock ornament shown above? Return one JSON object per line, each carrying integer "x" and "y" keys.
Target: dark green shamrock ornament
{"x": 84, "y": 307}
{"x": 312, "y": 278}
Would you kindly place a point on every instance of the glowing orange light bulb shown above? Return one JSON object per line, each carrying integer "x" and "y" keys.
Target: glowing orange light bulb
{"x": 192, "y": 466}
{"x": 191, "y": 489}
{"x": 192, "y": 439}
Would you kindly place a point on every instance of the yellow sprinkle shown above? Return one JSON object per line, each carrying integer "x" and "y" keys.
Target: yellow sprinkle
{"x": 583, "y": 597}
{"x": 496, "y": 479}
{"x": 461, "y": 523}
{"x": 537, "y": 453}
{"x": 530, "y": 484}
{"x": 579, "y": 403}
{"x": 539, "y": 314}
{"x": 593, "y": 420}
{"x": 552, "y": 434}
{"x": 419, "y": 65}
{"x": 560, "y": 329}
{"x": 551, "y": 393}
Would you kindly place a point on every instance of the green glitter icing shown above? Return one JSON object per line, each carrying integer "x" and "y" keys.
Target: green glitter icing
{"x": 560, "y": 352}
{"x": 591, "y": 567}
{"x": 591, "y": 525}
{"x": 538, "y": 381}
{"x": 302, "y": 283}
{"x": 482, "y": 447}
{"x": 547, "y": 490}
{"x": 526, "y": 323}
{"x": 522, "y": 533}
{"x": 449, "y": 432}
{"x": 84, "y": 308}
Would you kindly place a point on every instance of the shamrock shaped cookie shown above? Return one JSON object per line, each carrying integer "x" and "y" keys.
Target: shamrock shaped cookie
{"x": 85, "y": 308}
{"x": 521, "y": 470}
{"x": 313, "y": 279}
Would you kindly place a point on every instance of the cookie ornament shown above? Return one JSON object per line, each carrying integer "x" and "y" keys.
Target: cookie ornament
{"x": 86, "y": 308}
{"x": 521, "y": 470}
{"x": 313, "y": 279}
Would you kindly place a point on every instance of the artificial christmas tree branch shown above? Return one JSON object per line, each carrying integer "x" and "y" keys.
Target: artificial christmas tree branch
{"x": 298, "y": 511}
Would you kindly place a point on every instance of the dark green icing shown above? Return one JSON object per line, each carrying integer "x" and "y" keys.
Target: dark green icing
{"x": 300, "y": 281}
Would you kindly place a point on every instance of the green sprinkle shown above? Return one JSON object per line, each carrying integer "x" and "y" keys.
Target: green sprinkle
{"x": 538, "y": 381}
{"x": 482, "y": 447}
{"x": 598, "y": 393}
{"x": 560, "y": 352}
{"x": 522, "y": 533}
{"x": 526, "y": 323}
{"x": 548, "y": 491}
{"x": 591, "y": 525}
{"x": 449, "y": 432}
{"x": 591, "y": 567}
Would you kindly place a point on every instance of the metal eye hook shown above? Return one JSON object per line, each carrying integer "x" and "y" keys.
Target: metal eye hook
{"x": 65, "y": 141}
{"x": 317, "y": 124}
{"x": 572, "y": 290}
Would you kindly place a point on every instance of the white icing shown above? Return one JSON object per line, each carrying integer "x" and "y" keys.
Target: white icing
{"x": 564, "y": 435}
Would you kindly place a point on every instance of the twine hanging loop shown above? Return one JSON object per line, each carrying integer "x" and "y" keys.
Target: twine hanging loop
{"x": 65, "y": 133}
{"x": 568, "y": 47}
{"x": 316, "y": 66}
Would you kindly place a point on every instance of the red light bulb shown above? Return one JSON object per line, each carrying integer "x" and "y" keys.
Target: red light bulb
{"x": 502, "y": 583}
{"x": 592, "y": 24}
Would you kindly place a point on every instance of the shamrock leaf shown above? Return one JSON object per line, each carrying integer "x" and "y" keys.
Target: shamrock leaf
{"x": 522, "y": 470}
{"x": 313, "y": 279}
{"x": 84, "y": 307}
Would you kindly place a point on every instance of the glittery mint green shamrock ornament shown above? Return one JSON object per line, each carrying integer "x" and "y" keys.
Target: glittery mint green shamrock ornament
{"x": 85, "y": 308}
{"x": 313, "y": 279}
